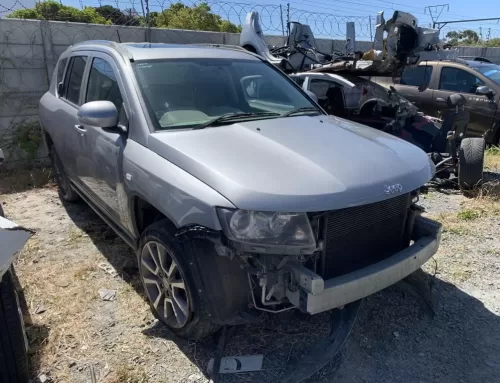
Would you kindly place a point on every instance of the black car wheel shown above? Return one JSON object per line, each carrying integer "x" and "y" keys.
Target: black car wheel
{"x": 168, "y": 284}
{"x": 13, "y": 343}
{"x": 471, "y": 163}
{"x": 66, "y": 191}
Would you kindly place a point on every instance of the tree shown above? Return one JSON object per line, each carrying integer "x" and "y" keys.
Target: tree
{"x": 200, "y": 17}
{"x": 52, "y": 10}
{"x": 467, "y": 37}
{"x": 117, "y": 17}
{"x": 493, "y": 43}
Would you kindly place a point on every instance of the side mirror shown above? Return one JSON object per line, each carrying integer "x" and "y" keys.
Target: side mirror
{"x": 2, "y": 158}
{"x": 102, "y": 114}
{"x": 484, "y": 91}
{"x": 312, "y": 95}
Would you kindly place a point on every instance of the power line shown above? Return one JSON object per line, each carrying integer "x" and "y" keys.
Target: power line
{"x": 435, "y": 12}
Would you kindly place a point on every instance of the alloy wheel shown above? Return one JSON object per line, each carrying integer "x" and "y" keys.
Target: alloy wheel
{"x": 164, "y": 284}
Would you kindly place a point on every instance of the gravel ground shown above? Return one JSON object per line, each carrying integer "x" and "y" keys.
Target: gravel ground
{"x": 395, "y": 339}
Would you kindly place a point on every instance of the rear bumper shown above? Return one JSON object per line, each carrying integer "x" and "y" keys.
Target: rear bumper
{"x": 316, "y": 295}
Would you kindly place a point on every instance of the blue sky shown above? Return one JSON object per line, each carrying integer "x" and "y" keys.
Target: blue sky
{"x": 314, "y": 12}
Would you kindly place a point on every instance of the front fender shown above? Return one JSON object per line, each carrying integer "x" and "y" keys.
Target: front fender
{"x": 182, "y": 198}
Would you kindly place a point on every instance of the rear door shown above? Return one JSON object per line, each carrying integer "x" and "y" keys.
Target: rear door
{"x": 70, "y": 144}
{"x": 465, "y": 81}
{"x": 414, "y": 86}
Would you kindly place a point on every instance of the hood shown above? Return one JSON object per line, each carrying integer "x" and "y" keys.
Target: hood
{"x": 296, "y": 164}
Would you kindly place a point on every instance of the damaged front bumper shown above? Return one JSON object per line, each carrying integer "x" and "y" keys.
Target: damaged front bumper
{"x": 314, "y": 295}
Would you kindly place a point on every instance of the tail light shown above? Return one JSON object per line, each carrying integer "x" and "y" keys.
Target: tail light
{"x": 364, "y": 91}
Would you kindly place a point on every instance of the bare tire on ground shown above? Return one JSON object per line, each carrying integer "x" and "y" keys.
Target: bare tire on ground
{"x": 169, "y": 285}
{"x": 13, "y": 344}
{"x": 66, "y": 191}
{"x": 471, "y": 162}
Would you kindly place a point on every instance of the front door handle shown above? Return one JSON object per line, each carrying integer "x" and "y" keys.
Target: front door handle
{"x": 440, "y": 100}
{"x": 81, "y": 129}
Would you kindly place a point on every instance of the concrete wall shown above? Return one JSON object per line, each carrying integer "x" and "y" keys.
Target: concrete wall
{"x": 29, "y": 50}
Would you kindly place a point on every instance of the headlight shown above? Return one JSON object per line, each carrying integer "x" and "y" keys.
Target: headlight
{"x": 267, "y": 228}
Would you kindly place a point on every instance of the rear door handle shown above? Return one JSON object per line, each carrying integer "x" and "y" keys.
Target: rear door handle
{"x": 81, "y": 129}
{"x": 440, "y": 100}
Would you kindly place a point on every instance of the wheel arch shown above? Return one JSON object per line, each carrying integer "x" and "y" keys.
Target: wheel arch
{"x": 144, "y": 214}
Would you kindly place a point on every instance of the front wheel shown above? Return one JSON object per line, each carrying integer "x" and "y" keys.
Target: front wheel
{"x": 471, "y": 163}
{"x": 168, "y": 284}
{"x": 13, "y": 343}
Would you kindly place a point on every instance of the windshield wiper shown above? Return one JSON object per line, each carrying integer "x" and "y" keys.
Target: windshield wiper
{"x": 299, "y": 110}
{"x": 233, "y": 116}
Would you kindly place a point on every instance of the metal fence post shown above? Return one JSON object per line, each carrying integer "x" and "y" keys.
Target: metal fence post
{"x": 282, "y": 23}
{"x": 371, "y": 32}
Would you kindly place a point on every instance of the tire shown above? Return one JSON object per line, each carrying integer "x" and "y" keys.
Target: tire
{"x": 66, "y": 191}
{"x": 182, "y": 311}
{"x": 471, "y": 162}
{"x": 13, "y": 347}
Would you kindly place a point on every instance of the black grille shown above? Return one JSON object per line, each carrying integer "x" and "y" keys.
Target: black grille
{"x": 359, "y": 236}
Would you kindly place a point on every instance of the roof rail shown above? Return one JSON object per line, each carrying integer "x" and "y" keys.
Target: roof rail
{"x": 109, "y": 43}
{"x": 100, "y": 42}
{"x": 223, "y": 46}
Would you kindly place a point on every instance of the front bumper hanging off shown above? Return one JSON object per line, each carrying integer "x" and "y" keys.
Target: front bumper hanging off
{"x": 315, "y": 295}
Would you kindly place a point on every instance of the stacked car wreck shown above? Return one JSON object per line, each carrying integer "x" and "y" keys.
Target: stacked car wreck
{"x": 338, "y": 76}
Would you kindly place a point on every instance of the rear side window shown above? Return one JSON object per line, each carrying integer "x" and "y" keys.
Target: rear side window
{"x": 416, "y": 76}
{"x": 103, "y": 85}
{"x": 60, "y": 70}
{"x": 74, "y": 78}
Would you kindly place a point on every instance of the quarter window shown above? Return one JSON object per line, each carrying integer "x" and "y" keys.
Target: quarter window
{"x": 74, "y": 82}
{"x": 416, "y": 76}
{"x": 103, "y": 85}
{"x": 458, "y": 80}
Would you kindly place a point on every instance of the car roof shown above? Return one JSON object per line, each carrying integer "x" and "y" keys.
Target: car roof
{"x": 153, "y": 51}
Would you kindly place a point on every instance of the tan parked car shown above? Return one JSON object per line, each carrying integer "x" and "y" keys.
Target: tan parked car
{"x": 429, "y": 85}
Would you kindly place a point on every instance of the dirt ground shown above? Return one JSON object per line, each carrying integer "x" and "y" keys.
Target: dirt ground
{"x": 74, "y": 333}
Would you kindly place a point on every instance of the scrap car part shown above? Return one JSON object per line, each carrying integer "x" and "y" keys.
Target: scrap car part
{"x": 341, "y": 322}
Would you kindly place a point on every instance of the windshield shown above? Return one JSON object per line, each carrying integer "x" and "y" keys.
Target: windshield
{"x": 490, "y": 71}
{"x": 187, "y": 93}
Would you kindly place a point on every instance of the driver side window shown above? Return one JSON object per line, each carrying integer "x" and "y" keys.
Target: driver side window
{"x": 320, "y": 89}
{"x": 458, "y": 80}
{"x": 102, "y": 84}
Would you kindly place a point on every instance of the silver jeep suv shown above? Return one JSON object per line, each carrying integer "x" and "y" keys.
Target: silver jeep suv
{"x": 235, "y": 188}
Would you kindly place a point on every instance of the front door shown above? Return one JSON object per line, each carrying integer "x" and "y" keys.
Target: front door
{"x": 414, "y": 86}
{"x": 100, "y": 171}
{"x": 481, "y": 108}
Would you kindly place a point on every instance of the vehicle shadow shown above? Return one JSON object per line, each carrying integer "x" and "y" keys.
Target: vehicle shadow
{"x": 394, "y": 340}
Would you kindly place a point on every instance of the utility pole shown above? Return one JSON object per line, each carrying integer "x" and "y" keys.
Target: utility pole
{"x": 435, "y": 12}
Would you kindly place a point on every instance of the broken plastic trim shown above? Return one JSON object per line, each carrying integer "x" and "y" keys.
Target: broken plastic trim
{"x": 341, "y": 323}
